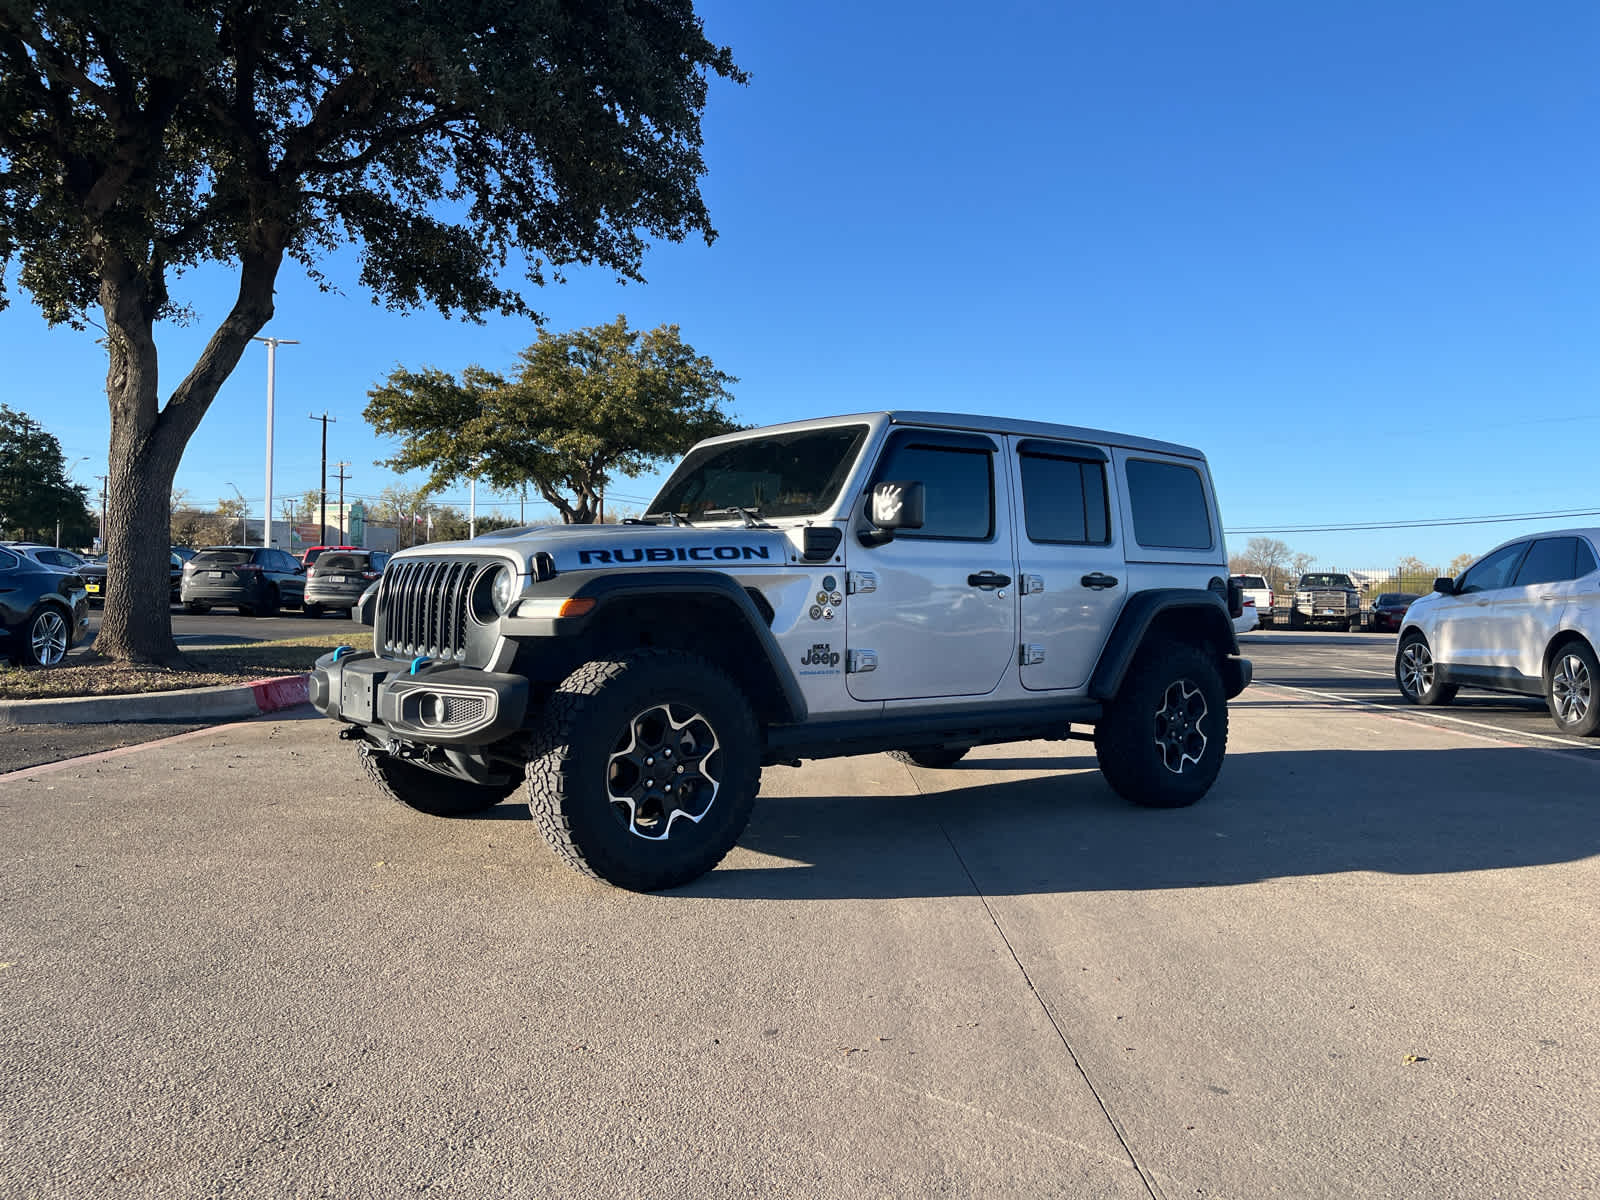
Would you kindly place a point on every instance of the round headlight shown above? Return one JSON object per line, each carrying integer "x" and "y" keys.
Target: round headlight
{"x": 505, "y": 589}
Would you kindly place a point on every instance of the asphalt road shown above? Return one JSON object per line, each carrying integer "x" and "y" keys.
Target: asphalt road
{"x": 1364, "y": 966}
{"x": 226, "y": 627}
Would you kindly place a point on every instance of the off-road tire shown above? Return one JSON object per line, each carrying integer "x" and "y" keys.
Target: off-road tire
{"x": 1173, "y": 691}
{"x": 429, "y": 792}
{"x": 1572, "y": 690}
{"x": 1416, "y": 675}
{"x": 597, "y": 728}
{"x": 935, "y": 758}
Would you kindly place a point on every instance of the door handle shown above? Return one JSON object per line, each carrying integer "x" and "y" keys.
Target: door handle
{"x": 989, "y": 579}
{"x": 1098, "y": 581}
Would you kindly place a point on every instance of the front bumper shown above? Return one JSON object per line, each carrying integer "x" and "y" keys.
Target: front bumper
{"x": 434, "y": 705}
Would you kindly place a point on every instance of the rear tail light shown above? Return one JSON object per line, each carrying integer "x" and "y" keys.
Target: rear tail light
{"x": 369, "y": 575}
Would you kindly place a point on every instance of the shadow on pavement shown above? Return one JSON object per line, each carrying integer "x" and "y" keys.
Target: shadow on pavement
{"x": 1271, "y": 815}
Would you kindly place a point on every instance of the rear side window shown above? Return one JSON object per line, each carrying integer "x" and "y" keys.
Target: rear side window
{"x": 1586, "y": 562}
{"x": 1551, "y": 560}
{"x": 8, "y": 561}
{"x": 1064, "y": 498}
{"x": 959, "y": 484}
{"x": 222, "y": 558}
{"x": 1169, "y": 505}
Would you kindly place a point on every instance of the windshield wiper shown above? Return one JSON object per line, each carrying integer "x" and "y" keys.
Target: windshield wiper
{"x": 752, "y": 516}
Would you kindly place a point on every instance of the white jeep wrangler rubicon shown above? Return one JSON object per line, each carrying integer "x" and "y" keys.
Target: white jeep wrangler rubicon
{"x": 914, "y": 582}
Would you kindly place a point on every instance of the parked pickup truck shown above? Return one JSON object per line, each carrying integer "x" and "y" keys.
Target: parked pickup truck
{"x": 1326, "y": 598}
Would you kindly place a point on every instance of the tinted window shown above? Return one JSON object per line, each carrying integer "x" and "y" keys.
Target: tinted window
{"x": 1585, "y": 562}
{"x": 1494, "y": 571}
{"x": 8, "y": 560}
{"x": 59, "y": 558}
{"x": 341, "y": 561}
{"x": 1064, "y": 500}
{"x": 959, "y": 485}
{"x": 1550, "y": 561}
{"x": 380, "y": 561}
{"x": 222, "y": 558}
{"x": 1169, "y": 505}
{"x": 1251, "y": 581}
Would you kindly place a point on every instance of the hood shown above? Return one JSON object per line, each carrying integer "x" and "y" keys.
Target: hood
{"x": 601, "y": 547}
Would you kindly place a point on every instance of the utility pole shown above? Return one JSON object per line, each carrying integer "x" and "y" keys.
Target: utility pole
{"x": 102, "y": 537}
{"x": 324, "y": 418}
{"x": 272, "y": 345}
{"x": 344, "y": 522}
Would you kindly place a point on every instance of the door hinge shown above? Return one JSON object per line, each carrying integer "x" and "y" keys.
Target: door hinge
{"x": 860, "y": 581}
{"x": 1032, "y": 584}
{"x": 859, "y": 662}
{"x": 1031, "y": 655}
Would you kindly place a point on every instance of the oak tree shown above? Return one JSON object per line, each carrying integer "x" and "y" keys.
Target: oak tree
{"x": 583, "y": 407}
{"x": 142, "y": 138}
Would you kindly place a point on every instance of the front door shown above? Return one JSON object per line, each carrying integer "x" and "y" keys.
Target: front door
{"x": 940, "y": 618}
{"x": 1467, "y": 638}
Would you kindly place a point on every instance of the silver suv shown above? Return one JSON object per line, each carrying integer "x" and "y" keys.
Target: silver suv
{"x": 920, "y": 583}
{"x": 1524, "y": 618}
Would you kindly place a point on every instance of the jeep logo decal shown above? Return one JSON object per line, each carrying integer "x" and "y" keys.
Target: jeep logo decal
{"x": 634, "y": 554}
{"x": 821, "y": 654}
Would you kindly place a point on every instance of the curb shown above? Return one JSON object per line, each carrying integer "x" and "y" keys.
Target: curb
{"x": 228, "y": 700}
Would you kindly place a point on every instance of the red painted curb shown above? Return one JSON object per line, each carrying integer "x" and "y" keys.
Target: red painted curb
{"x": 286, "y": 691}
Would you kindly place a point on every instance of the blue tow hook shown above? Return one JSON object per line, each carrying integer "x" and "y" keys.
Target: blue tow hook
{"x": 341, "y": 651}
{"x": 420, "y": 661}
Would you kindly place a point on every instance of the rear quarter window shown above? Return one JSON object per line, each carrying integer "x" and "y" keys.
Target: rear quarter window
{"x": 1169, "y": 506}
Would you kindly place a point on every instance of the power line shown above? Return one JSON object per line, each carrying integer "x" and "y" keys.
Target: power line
{"x": 1432, "y": 523}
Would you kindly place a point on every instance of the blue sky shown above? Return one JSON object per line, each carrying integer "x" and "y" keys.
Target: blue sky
{"x": 1349, "y": 251}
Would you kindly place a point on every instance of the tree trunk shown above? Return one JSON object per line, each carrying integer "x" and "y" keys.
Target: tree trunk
{"x": 147, "y": 444}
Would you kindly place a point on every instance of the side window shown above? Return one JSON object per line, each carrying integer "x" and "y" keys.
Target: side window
{"x": 1586, "y": 561}
{"x": 959, "y": 483}
{"x": 1495, "y": 571}
{"x": 9, "y": 561}
{"x": 55, "y": 558}
{"x": 1550, "y": 561}
{"x": 1064, "y": 499}
{"x": 1169, "y": 505}
{"x": 380, "y": 561}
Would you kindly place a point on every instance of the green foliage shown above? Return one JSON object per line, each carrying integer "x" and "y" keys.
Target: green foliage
{"x": 584, "y": 406}
{"x": 35, "y": 490}
{"x": 439, "y": 138}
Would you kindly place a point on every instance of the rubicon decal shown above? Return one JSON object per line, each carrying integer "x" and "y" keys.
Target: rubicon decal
{"x": 657, "y": 554}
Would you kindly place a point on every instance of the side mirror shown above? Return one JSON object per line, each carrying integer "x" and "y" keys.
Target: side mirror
{"x": 894, "y": 506}
{"x": 1445, "y": 586}
{"x": 365, "y": 610}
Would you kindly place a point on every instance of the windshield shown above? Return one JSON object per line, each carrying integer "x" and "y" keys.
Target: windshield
{"x": 1325, "y": 581}
{"x": 784, "y": 475}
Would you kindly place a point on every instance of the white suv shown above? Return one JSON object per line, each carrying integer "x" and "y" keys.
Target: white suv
{"x": 1524, "y": 618}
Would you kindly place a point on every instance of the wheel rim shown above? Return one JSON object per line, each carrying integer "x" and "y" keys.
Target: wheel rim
{"x": 49, "y": 637}
{"x": 1180, "y": 735}
{"x": 661, "y": 770}
{"x": 1416, "y": 669}
{"x": 1572, "y": 689}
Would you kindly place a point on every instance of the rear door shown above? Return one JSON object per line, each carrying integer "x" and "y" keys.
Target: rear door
{"x": 1527, "y": 614}
{"x": 941, "y": 616}
{"x": 1070, "y": 581}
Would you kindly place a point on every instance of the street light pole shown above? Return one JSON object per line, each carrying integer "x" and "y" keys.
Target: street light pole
{"x": 324, "y": 418}
{"x": 272, "y": 345}
{"x": 102, "y": 538}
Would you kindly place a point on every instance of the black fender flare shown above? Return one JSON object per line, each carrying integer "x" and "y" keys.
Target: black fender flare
{"x": 536, "y": 614}
{"x": 1133, "y": 624}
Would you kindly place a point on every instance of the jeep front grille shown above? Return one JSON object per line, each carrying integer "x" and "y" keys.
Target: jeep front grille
{"x": 424, "y": 607}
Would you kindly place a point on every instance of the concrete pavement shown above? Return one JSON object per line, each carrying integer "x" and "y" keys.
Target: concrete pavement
{"x": 1363, "y": 966}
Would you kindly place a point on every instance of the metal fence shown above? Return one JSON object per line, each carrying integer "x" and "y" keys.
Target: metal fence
{"x": 1371, "y": 583}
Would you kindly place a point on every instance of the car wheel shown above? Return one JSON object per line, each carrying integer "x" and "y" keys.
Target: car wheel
{"x": 1570, "y": 690}
{"x": 645, "y": 769}
{"x": 428, "y": 791}
{"x": 46, "y": 639}
{"x": 1355, "y": 624}
{"x": 1161, "y": 741}
{"x": 935, "y": 758}
{"x": 197, "y": 607}
{"x": 1415, "y": 672}
{"x": 1296, "y": 621}
{"x": 313, "y": 610}
{"x": 268, "y": 607}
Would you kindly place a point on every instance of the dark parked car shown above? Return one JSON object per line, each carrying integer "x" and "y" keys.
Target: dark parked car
{"x": 338, "y": 577}
{"x": 94, "y": 575}
{"x": 50, "y": 556}
{"x": 258, "y": 581}
{"x": 311, "y": 554}
{"x": 43, "y": 610}
{"x": 1388, "y": 609}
